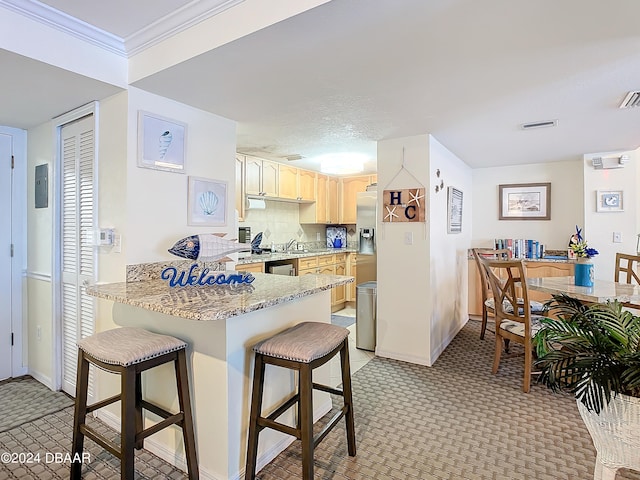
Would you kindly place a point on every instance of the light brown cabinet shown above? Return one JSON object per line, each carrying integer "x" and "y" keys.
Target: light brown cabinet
{"x": 352, "y": 267}
{"x": 307, "y": 185}
{"x": 349, "y": 188}
{"x": 260, "y": 177}
{"x": 326, "y": 202}
{"x": 535, "y": 269}
{"x": 251, "y": 267}
{"x": 287, "y": 182}
{"x": 327, "y": 265}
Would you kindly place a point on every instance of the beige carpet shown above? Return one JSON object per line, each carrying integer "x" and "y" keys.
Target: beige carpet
{"x": 452, "y": 421}
{"x": 24, "y": 399}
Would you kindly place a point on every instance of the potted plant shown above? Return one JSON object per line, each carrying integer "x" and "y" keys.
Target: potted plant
{"x": 593, "y": 351}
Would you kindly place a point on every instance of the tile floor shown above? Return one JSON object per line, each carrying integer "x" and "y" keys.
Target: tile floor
{"x": 358, "y": 358}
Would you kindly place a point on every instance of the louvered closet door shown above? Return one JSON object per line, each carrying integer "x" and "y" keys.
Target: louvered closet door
{"x": 78, "y": 256}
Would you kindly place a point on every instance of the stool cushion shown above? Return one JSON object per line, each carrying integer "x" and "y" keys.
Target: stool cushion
{"x": 127, "y": 345}
{"x": 303, "y": 343}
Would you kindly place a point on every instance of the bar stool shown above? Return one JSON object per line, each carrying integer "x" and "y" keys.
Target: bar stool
{"x": 128, "y": 352}
{"x": 304, "y": 347}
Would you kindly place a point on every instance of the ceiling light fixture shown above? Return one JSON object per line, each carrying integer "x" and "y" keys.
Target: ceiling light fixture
{"x": 342, "y": 163}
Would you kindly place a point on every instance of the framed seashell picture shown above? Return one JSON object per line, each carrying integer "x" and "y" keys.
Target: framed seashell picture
{"x": 161, "y": 143}
{"x": 207, "y": 202}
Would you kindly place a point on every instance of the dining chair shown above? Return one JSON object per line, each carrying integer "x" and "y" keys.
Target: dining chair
{"x": 627, "y": 272}
{"x": 487, "y": 295}
{"x": 514, "y": 320}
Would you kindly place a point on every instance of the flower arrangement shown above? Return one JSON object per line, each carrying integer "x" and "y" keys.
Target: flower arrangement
{"x": 579, "y": 246}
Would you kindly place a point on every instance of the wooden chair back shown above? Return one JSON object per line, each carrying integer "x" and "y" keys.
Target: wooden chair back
{"x": 628, "y": 265}
{"x": 508, "y": 282}
{"x": 488, "y": 253}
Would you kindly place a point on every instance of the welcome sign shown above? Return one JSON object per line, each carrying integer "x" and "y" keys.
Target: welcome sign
{"x": 406, "y": 205}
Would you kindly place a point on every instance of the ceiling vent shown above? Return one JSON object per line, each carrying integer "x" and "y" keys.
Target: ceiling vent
{"x": 294, "y": 157}
{"x": 631, "y": 100}
{"x": 547, "y": 123}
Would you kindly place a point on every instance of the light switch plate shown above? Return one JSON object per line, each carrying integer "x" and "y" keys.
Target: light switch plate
{"x": 408, "y": 238}
{"x": 617, "y": 237}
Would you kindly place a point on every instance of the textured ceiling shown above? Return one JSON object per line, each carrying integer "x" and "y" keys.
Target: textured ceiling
{"x": 348, "y": 73}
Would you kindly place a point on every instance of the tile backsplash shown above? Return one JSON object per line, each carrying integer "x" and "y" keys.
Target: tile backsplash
{"x": 280, "y": 222}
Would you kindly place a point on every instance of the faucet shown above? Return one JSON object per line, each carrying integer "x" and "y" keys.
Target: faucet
{"x": 290, "y": 245}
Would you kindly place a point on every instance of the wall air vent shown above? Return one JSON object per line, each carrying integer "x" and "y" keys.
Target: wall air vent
{"x": 547, "y": 123}
{"x": 631, "y": 100}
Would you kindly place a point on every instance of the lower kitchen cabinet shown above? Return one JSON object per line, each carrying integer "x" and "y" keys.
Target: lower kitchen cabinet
{"x": 251, "y": 267}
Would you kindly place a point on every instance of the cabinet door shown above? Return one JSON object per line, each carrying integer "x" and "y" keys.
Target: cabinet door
{"x": 252, "y": 176}
{"x": 251, "y": 267}
{"x": 350, "y": 187}
{"x": 269, "y": 178}
{"x": 307, "y": 186}
{"x": 287, "y": 182}
{"x": 332, "y": 200}
{"x": 351, "y": 288}
{"x": 321, "y": 199}
{"x": 240, "y": 186}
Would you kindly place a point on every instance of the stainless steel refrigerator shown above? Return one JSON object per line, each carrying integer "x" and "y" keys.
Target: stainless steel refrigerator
{"x": 366, "y": 204}
{"x": 366, "y": 272}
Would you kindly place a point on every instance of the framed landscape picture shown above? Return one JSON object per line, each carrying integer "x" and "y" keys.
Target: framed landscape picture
{"x": 524, "y": 201}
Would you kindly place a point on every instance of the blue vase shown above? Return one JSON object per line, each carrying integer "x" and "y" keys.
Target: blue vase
{"x": 584, "y": 274}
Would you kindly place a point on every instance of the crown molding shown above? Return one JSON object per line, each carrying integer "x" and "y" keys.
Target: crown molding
{"x": 60, "y": 21}
{"x": 178, "y": 21}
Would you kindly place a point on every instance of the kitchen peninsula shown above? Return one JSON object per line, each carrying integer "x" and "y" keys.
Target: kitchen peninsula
{"x": 221, "y": 323}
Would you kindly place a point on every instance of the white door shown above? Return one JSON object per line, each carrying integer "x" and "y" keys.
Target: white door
{"x": 6, "y": 152}
{"x": 77, "y": 247}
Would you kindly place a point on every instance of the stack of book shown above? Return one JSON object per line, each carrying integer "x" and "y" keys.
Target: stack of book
{"x": 521, "y": 248}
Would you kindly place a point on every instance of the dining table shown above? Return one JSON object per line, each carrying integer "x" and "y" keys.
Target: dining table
{"x": 602, "y": 291}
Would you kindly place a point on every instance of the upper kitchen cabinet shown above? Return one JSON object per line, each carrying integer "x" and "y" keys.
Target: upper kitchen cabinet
{"x": 260, "y": 177}
{"x": 240, "y": 186}
{"x": 307, "y": 185}
{"x": 350, "y": 187}
{"x": 332, "y": 200}
{"x": 296, "y": 184}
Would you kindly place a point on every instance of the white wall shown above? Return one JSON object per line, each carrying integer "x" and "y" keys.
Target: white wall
{"x": 566, "y": 203}
{"x": 599, "y": 226}
{"x": 38, "y": 293}
{"x": 448, "y": 252}
{"x": 422, "y": 288}
{"x": 404, "y": 304}
{"x": 157, "y": 200}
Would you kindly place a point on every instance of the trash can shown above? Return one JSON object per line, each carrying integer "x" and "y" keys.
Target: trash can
{"x": 366, "y": 299}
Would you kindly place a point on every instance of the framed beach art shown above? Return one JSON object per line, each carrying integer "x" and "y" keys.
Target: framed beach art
{"x": 609, "y": 201}
{"x": 454, "y": 210}
{"x": 524, "y": 201}
{"x": 207, "y": 203}
{"x": 161, "y": 143}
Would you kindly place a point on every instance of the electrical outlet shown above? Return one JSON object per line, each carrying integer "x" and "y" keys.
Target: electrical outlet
{"x": 617, "y": 237}
{"x": 38, "y": 332}
{"x": 318, "y": 236}
{"x": 408, "y": 238}
{"x": 117, "y": 243}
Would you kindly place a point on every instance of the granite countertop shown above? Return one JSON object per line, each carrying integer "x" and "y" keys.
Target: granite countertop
{"x": 215, "y": 302}
{"x": 271, "y": 257}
